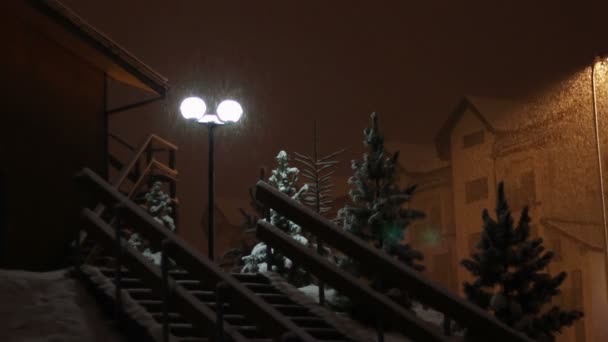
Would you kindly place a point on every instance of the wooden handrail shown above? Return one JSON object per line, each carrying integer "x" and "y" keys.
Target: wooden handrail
{"x": 200, "y": 314}
{"x": 138, "y": 154}
{"x": 164, "y": 142}
{"x": 480, "y": 322}
{"x": 271, "y": 321}
{"x": 153, "y": 165}
{"x": 412, "y": 326}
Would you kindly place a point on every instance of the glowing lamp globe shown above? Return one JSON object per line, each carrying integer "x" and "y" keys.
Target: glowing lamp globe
{"x": 229, "y": 111}
{"x": 193, "y": 108}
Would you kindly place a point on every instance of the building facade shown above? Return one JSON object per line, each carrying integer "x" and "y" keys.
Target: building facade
{"x": 546, "y": 164}
{"x": 55, "y": 69}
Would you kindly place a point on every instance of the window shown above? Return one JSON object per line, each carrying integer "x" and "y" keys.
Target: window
{"x": 472, "y": 139}
{"x": 476, "y": 189}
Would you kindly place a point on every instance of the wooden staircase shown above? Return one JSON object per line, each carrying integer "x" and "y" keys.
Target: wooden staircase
{"x": 194, "y": 299}
{"x": 183, "y": 331}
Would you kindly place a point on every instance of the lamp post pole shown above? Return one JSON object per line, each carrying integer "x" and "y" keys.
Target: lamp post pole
{"x": 211, "y": 227}
{"x": 228, "y": 112}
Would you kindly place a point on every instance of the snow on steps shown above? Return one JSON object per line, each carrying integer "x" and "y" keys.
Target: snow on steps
{"x": 205, "y": 293}
{"x": 50, "y": 306}
{"x": 140, "y": 323}
{"x": 311, "y": 293}
{"x": 342, "y": 323}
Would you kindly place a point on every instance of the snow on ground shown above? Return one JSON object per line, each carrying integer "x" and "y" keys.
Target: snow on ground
{"x": 428, "y": 315}
{"x": 50, "y": 307}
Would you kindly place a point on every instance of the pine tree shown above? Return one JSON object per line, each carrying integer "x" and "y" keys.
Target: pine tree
{"x": 509, "y": 279}
{"x": 285, "y": 179}
{"x": 318, "y": 171}
{"x": 158, "y": 205}
{"x": 378, "y": 214}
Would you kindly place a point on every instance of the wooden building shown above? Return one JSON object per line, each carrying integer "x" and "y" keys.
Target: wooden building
{"x": 55, "y": 69}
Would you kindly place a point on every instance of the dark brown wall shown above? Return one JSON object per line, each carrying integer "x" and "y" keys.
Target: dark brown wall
{"x": 52, "y": 125}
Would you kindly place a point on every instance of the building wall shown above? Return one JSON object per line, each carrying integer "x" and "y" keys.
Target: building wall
{"x": 434, "y": 235}
{"x": 473, "y": 184}
{"x": 53, "y": 125}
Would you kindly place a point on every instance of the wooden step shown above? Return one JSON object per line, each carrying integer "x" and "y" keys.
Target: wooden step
{"x": 180, "y": 275}
{"x": 227, "y": 308}
{"x": 141, "y": 293}
{"x": 151, "y": 305}
{"x": 325, "y": 333}
{"x": 236, "y": 319}
{"x": 174, "y": 317}
{"x": 291, "y": 310}
{"x": 109, "y": 271}
{"x": 275, "y": 298}
{"x": 309, "y": 321}
{"x": 204, "y": 296}
{"x": 251, "y": 278}
{"x": 249, "y": 331}
{"x": 189, "y": 284}
{"x": 261, "y": 288}
{"x": 128, "y": 282}
{"x": 184, "y": 330}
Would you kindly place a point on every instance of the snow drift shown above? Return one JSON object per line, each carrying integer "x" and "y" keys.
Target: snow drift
{"x": 50, "y": 306}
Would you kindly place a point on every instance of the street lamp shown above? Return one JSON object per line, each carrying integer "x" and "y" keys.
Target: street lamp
{"x": 597, "y": 61}
{"x": 228, "y": 111}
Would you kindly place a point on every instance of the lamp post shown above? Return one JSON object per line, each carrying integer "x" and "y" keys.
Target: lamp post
{"x": 597, "y": 61}
{"x": 228, "y": 111}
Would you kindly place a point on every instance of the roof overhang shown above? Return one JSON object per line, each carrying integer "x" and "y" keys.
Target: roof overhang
{"x": 443, "y": 137}
{"x": 66, "y": 28}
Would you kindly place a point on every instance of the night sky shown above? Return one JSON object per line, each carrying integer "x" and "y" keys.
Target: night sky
{"x": 336, "y": 62}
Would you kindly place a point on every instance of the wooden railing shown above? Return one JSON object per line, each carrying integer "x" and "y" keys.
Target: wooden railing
{"x": 199, "y": 314}
{"x": 271, "y": 321}
{"x": 132, "y": 169}
{"x": 147, "y": 147}
{"x": 479, "y": 323}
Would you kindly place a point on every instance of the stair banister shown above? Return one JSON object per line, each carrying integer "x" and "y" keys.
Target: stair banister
{"x": 345, "y": 283}
{"x": 189, "y": 306}
{"x": 471, "y": 316}
{"x": 269, "y": 319}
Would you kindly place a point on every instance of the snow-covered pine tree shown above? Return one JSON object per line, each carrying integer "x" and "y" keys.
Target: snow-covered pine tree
{"x": 378, "y": 214}
{"x": 158, "y": 204}
{"x": 509, "y": 279}
{"x": 285, "y": 179}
